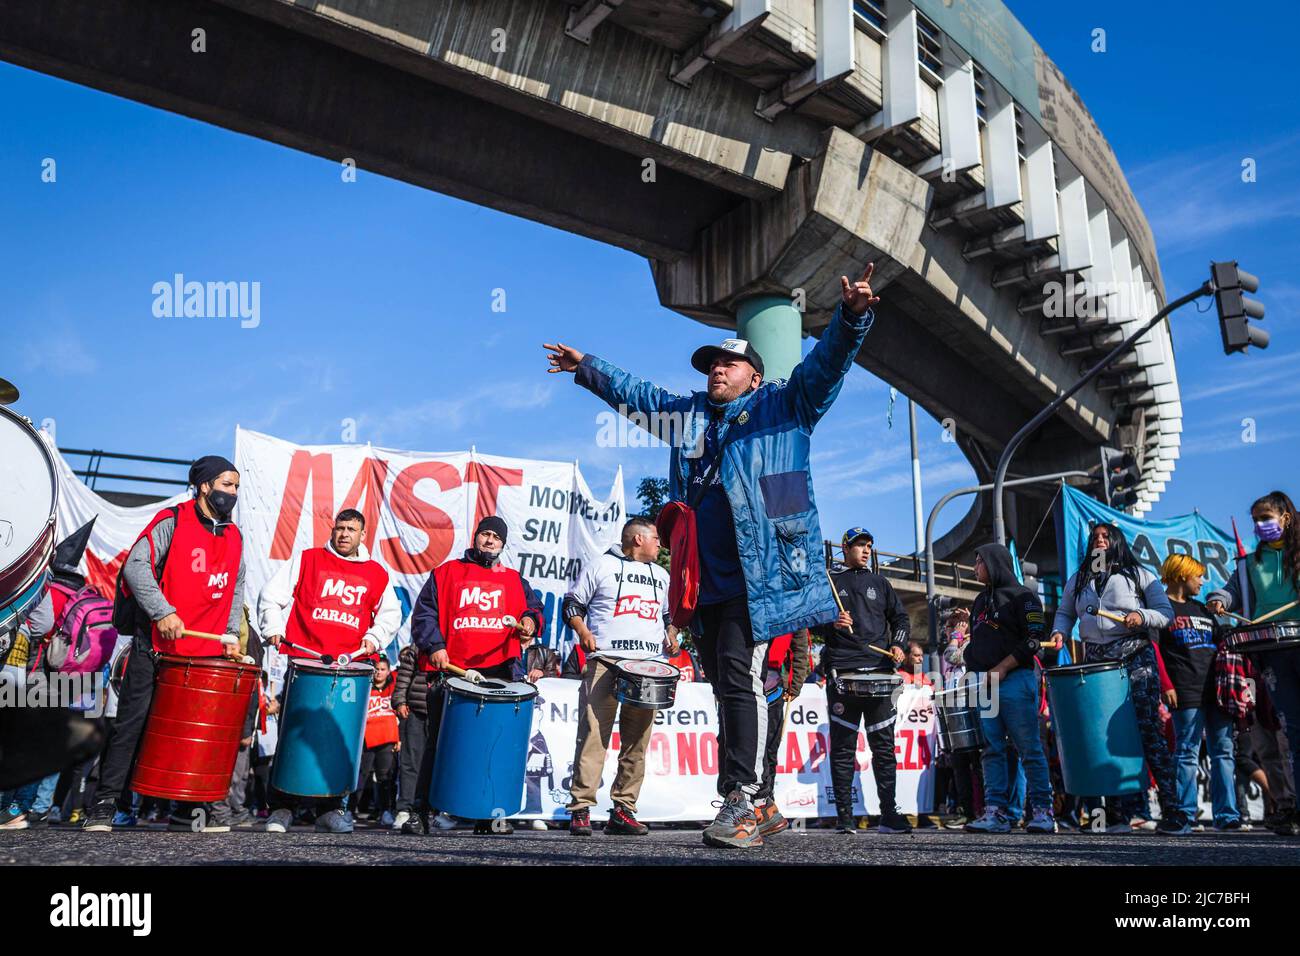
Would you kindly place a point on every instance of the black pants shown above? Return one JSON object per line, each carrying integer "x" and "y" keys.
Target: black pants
{"x": 735, "y": 665}
{"x": 846, "y": 715}
{"x": 382, "y": 762}
{"x": 125, "y": 730}
{"x": 966, "y": 769}
{"x": 775, "y": 724}
{"x": 437, "y": 691}
{"x": 414, "y": 731}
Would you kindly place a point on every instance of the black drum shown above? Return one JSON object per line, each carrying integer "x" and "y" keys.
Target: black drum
{"x": 647, "y": 685}
{"x": 1260, "y": 638}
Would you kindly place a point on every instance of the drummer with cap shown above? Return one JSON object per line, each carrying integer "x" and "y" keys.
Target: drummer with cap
{"x": 157, "y": 600}
{"x": 470, "y": 615}
{"x": 331, "y": 601}
{"x": 871, "y": 615}
{"x": 619, "y": 610}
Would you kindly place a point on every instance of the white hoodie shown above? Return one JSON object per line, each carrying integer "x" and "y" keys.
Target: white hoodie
{"x": 277, "y": 596}
{"x": 626, "y": 605}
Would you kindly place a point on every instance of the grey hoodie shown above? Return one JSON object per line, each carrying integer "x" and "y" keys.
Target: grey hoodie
{"x": 1118, "y": 596}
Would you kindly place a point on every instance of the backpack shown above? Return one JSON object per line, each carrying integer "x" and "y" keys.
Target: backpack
{"x": 84, "y": 636}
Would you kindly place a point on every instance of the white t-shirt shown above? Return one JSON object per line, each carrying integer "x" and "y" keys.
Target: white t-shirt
{"x": 626, "y": 605}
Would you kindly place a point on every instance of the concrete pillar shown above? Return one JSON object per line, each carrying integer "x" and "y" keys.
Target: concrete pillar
{"x": 775, "y": 328}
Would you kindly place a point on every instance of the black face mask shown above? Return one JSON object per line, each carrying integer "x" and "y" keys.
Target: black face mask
{"x": 221, "y": 503}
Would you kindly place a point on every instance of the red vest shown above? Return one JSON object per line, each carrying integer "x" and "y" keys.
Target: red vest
{"x": 777, "y": 650}
{"x": 334, "y": 603}
{"x": 198, "y": 579}
{"x": 682, "y": 662}
{"x": 472, "y": 600}
{"x": 381, "y": 720}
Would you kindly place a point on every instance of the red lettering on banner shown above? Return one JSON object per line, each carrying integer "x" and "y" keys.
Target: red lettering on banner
{"x": 688, "y": 757}
{"x": 423, "y": 516}
{"x": 861, "y": 763}
{"x": 304, "y": 465}
{"x": 614, "y": 743}
{"x": 909, "y": 752}
{"x": 368, "y": 484}
{"x": 658, "y": 756}
{"x": 817, "y": 750}
{"x": 923, "y": 749}
{"x": 489, "y": 481}
{"x": 709, "y": 754}
{"x": 793, "y": 755}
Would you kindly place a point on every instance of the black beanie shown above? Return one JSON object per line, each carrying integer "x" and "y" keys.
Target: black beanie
{"x": 492, "y": 523}
{"x": 207, "y": 468}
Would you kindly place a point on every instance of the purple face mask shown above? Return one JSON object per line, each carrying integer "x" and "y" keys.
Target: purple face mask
{"x": 1268, "y": 530}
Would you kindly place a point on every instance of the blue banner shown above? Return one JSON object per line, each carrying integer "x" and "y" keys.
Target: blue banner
{"x": 1151, "y": 541}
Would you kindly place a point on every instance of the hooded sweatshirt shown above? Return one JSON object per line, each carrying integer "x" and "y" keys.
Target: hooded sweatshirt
{"x": 1006, "y": 619}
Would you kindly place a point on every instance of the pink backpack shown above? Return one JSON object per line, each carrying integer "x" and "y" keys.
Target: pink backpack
{"x": 84, "y": 635}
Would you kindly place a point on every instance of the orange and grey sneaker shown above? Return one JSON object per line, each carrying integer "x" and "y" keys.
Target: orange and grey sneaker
{"x": 623, "y": 822}
{"x": 770, "y": 821}
{"x": 580, "y": 823}
{"x": 736, "y": 824}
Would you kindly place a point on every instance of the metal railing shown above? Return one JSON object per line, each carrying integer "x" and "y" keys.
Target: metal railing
{"x": 906, "y": 567}
{"x": 95, "y": 459}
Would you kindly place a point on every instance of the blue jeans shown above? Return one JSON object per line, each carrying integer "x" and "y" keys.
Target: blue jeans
{"x": 1189, "y": 725}
{"x": 30, "y": 797}
{"x": 1016, "y": 725}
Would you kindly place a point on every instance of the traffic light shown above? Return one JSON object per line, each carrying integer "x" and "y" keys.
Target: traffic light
{"x": 1235, "y": 310}
{"x": 1119, "y": 478}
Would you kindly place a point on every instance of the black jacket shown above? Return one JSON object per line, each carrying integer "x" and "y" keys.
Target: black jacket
{"x": 878, "y": 618}
{"x": 1006, "y": 619}
{"x": 412, "y": 687}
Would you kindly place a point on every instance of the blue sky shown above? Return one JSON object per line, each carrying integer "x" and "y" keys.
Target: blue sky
{"x": 376, "y": 296}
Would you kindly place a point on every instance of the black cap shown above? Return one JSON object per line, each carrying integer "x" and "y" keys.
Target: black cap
{"x": 207, "y": 468}
{"x": 492, "y": 523}
{"x": 703, "y": 358}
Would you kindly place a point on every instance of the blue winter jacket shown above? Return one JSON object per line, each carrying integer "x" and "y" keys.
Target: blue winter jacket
{"x": 765, "y": 468}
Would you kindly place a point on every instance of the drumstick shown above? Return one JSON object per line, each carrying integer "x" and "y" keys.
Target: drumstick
{"x": 1098, "y": 612}
{"x": 203, "y": 636}
{"x": 343, "y": 660}
{"x": 1284, "y": 607}
{"x": 879, "y": 651}
{"x": 834, "y": 593}
{"x": 1244, "y": 620}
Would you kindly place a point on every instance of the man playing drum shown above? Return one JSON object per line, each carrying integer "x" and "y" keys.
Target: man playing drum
{"x": 470, "y": 614}
{"x": 872, "y": 615}
{"x": 618, "y": 609}
{"x": 157, "y": 599}
{"x": 331, "y": 601}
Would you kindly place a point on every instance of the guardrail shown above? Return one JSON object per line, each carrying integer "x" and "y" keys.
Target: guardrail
{"x": 905, "y": 567}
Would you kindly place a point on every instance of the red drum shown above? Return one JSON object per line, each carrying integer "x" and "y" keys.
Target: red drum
{"x": 189, "y": 745}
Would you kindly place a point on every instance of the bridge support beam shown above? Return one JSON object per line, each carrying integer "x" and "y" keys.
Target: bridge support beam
{"x": 774, "y": 327}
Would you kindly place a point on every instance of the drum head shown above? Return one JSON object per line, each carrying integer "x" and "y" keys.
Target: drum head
{"x": 216, "y": 663}
{"x": 648, "y": 669}
{"x": 492, "y": 691}
{"x": 1080, "y": 670}
{"x": 320, "y": 667}
{"x": 28, "y": 492}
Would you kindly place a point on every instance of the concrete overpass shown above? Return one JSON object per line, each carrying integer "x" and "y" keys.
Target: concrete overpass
{"x": 751, "y": 150}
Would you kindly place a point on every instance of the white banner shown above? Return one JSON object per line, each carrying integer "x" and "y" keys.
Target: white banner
{"x": 420, "y": 508}
{"x": 681, "y": 777}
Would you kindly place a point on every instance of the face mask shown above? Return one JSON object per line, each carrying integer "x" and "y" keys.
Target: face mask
{"x": 1268, "y": 530}
{"x": 221, "y": 503}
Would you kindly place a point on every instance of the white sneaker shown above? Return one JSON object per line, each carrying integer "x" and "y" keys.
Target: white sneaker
{"x": 538, "y": 824}
{"x": 444, "y": 821}
{"x": 1198, "y": 827}
{"x": 402, "y": 817}
{"x": 1138, "y": 823}
{"x": 279, "y": 821}
{"x": 992, "y": 821}
{"x": 1041, "y": 822}
{"x": 387, "y": 820}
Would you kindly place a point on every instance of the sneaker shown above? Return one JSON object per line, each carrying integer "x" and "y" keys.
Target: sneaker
{"x": 1197, "y": 828}
{"x": 770, "y": 821}
{"x": 846, "y": 824}
{"x": 736, "y": 824}
{"x": 538, "y": 824}
{"x": 993, "y": 821}
{"x": 894, "y": 823}
{"x": 925, "y": 822}
{"x": 243, "y": 818}
{"x": 386, "y": 819}
{"x": 1138, "y": 824}
{"x": 444, "y": 821}
{"x": 957, "y": 823}
{"x": 75, "y": 817}
{"x": 1286, "y": 823}
{"x": 580, "y": 823}
{"x": 125, "y": 818}
{"x": 99, "y": 818}
{"x": 417, "y": 824}
{"x": 55, "y": 815}
{"x": 9, "y": 820}
{"x": 279, "y": 821}
{"x": 399, "y": 821}
{"x": 1233, "y": 826}
{"x": 1041, "y": 822}
{"x": 335, "y": 821}
{"x": 624, "y": 823}
{"x": 1173, "y": 825}
{"x": 496, "y": 827}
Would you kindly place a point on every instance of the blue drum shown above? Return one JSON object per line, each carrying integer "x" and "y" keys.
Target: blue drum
{"x": 322, "y": 729}
{"x": 1096, "y": 727}
{"x": 478, "y": 767}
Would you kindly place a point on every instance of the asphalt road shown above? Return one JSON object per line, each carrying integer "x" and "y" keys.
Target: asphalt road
{"x": 145, "y": 846}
